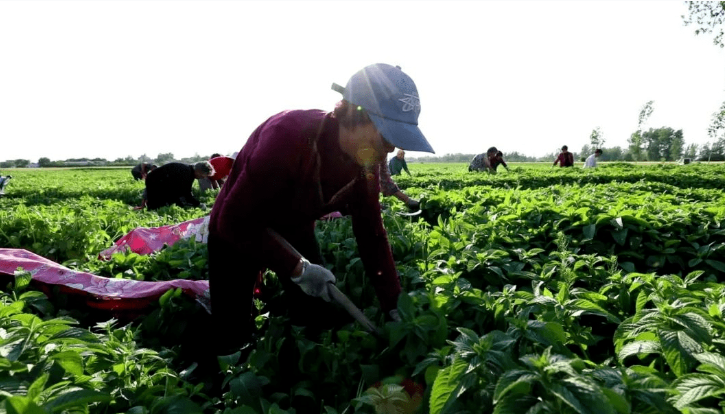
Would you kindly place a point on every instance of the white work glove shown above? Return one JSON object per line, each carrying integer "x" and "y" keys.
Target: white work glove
{"x": 314, "y": 279}
{"x": 394, "y": 315}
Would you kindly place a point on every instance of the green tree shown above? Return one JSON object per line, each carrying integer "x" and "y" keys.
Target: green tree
{"x": 44, "y": 162}
{"x": 716, "y": 130}
{"x": 645, "y": 113}
{"x": 635, "y": 145}
{"x": 596, "y": 139}
{"x": 636, "y": 140}
{"x": 163, "y": 158}
{"x": 708, "y": 17}
{"x": 677, "y": 145}
{"x": 612, "y": 154}
{"x": 663, "y": 144}
{"x": 691, "y": 151}
{"x": 586, "y": 150}
{"x": 20, "y": 163}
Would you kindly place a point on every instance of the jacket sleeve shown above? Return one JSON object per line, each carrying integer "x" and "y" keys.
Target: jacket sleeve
{"x": 405, "y": 166}
{"x": 387, "y": 185}
{"x": 254, "y": 194}
{"x": 372, "y": 241}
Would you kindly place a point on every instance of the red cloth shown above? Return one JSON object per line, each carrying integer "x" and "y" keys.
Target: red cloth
{"x": 98, "y": 292}
{"x": 290, "y": 172}
{"x": 222, "y": 167}
{"x": 146, "y": 240}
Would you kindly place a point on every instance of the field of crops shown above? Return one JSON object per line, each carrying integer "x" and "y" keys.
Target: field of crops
{"x": 539, "y": 290}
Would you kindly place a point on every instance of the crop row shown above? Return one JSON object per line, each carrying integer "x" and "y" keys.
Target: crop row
{"x": 566, "y": 297}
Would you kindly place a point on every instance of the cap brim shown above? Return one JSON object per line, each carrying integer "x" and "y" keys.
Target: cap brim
{"x": 401, "y": 134}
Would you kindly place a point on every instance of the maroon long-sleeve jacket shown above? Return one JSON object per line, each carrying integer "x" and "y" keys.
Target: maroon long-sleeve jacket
{"x": 290, "y": 172}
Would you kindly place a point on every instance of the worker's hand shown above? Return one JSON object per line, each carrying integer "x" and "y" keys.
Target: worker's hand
{"x": 138, "y": 208}
{"x": 394, "y": 315}
{"x": 314, "y": 279}
{"x": 413, "y": 205}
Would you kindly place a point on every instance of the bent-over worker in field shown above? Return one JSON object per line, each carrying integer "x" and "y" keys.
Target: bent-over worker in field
{"x": 484, "y": 162}
{"x": 397, "y": 164}
{"x": 140, "y": 171}
{"x": 4, "y": 182}
{"x": 565, "y": 158}
{"x": 296, "y": 167}
{"x": 222, "y": 166}
{"x": 389, "y": 188}
{"x": 171, "y": 184}
{"x": 498, "y": 160}
{"x": 591, "y": 161}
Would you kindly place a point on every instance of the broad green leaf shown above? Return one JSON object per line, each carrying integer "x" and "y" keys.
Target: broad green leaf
{"x": 37, "y": 386}
{"x": 716, "y": 360}
{"x": 695, "y": 387}
{"x": 228, "y": 361}
{"x": 590, "y": 307}
{"x": 406, "y": 307}
{"x": 679, "y": 349}
{"x": 617, "y": 401}
{"x": 74, "y": 336}
{"x": 570, "y": 399}
{"x": 639, "y": 347}
{"x": 247, "y": 387}
{"x": 718, "y": 265}
{"x": 517, "y": 404}
{"x": 620, "y": 236}
{"x": 515, "y": 381}
{"x": 642, "y": 299}
{"x": 76, "y": 398}
{"x": 447, "y": 386}
{"x": 21, "y": 405}
{"x": 71, "y": 361}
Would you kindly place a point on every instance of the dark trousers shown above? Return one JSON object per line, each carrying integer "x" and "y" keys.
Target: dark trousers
{"x": 232, "y": 276}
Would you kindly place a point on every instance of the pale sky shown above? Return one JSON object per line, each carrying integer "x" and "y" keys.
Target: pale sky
{"x": 116, "y": 78}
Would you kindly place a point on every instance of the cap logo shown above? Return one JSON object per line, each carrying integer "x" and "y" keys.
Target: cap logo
{"x": 410, "y": 103}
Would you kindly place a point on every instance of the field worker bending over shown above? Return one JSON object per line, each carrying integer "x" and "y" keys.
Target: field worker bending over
{"x": 483, "y": 162}
{"x": 222, "y": 166}
{"x": 4, "y": 182}
{"x": 591, "y": 161}
{"x": 140, "y": 171}
{"x": 171, "y": 184}
{"x": 397, "y": 164}
{"x": 565, "y": 158}
{"x": 498, "y": 160}
{"x": 298, "y": 166}
{"x": 389, "y": 188}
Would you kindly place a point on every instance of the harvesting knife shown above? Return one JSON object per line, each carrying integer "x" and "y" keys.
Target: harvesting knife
{"x": 334, "y": 292}
{"x": 350, "y": 307}
{"x": 415, "y": 213}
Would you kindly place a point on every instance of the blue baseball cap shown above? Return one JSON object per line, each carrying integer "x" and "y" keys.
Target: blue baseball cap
{"x": 390, "y": 98}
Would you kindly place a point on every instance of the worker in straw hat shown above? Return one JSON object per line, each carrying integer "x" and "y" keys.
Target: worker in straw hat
{"x": 295, "y": 167}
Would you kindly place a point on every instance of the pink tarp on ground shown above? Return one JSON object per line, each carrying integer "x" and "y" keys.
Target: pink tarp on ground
{"x": 146, "y": 240}
{"x": 100, "y": 292}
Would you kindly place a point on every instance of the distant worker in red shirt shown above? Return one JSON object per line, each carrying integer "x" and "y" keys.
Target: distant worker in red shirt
{"x": 222, "y": 166}
{"x": 298, "y": 166}
{"x": 498, "y": 160}
{"x": 565, "y": 158}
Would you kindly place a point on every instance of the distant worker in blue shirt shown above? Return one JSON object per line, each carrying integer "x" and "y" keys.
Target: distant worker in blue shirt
{"x": 397, "y": 164}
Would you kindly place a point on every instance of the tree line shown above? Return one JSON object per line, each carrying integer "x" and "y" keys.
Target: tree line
{"x": 661, "y": 144}
{"x": 130, "y": 161}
